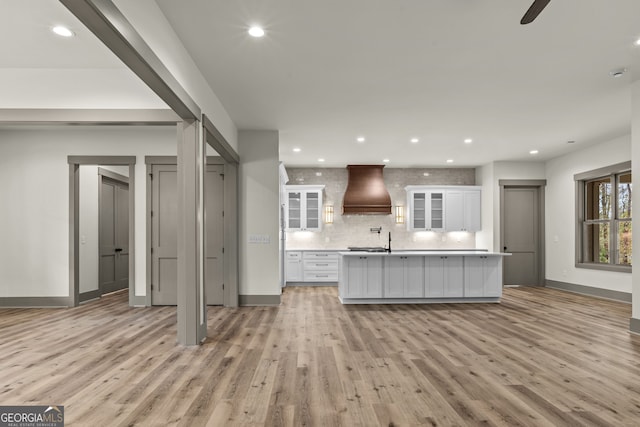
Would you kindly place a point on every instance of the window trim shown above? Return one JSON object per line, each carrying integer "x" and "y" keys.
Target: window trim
{"x": 580, "y": 181}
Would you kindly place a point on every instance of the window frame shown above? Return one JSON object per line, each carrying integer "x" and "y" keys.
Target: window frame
{"x": 581, "y": 179}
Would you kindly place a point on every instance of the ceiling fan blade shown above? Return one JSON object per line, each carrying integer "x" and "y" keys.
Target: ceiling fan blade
{"x": 534, "y": 11}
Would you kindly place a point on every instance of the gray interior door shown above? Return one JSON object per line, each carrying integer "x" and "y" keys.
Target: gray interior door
{"x": 164, "y": 235}
{"x": 164, "y": 243}
{"x": 214, "y": 223}
{"x": 114, "y": 235}
{"x": 521, "y": 236}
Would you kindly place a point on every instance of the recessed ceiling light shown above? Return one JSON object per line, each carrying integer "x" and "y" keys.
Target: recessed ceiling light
{"x": 637, "y": 42}
{"x": 62, "y": 31}
{"x": 468, "y": 141}
{"x": 360, "y": 139}
{"x": 414, "y": 140}
{"x": 386, "y": 160}
{"x": 533, "y": 152}
{"x": 296, "y": 150}
{"x": 449, "y": 160}
{"x": 321, "y": 160}
{"x": 256, "y": 32}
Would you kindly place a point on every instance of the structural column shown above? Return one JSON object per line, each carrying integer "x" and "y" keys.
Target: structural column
{"x": 192, "y": 323}
{"x": 634, "y": 325}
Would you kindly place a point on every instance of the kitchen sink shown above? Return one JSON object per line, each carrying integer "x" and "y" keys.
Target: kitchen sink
{"x": 367, "y": 248}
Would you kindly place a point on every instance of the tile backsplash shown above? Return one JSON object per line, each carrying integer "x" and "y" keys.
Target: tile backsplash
{"x": 355, "y": 230}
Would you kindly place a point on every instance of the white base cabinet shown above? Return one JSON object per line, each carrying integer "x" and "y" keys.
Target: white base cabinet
{"x": 412, "y": 277}
{"x": 404, "y": 277}
{"x": 445, "y": 276}
{"x": 293, "y": 266}
{"x": 362, "y": 276}
{"x": 311, "y": 266}
{"x": 482, "y": 277}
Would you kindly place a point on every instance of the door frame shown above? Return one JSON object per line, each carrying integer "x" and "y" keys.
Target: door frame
{"x": 112, "y": 176}
{"x": 230, "y": 228}
{"x": 539, "y": 185}
{"x": 74, "y": 221}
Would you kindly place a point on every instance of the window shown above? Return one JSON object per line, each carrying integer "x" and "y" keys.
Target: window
{"x": 603, "y": 228}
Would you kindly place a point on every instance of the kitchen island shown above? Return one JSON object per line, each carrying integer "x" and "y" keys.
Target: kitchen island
{"x": 420, "y": 277}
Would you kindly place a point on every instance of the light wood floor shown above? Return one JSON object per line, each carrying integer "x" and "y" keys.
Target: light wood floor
{"x": 541, "y": 357}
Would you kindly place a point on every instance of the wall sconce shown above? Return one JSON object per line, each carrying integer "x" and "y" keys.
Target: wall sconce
{"x": 399, "y": 214}
{"x": 328, "y": 214}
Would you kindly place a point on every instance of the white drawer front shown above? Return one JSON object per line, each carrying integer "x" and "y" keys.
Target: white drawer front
{"x": 319, "y": 276}
{"x": 321, "y": 255}
{"x": 312, "y": 265}
{"x": 294, "y": 255}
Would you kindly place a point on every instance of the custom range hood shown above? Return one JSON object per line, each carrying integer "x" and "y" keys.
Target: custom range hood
{"x": 366, "y": 193}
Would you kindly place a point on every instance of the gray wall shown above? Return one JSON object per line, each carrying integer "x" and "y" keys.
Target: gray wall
{"x": 353, "y": 230}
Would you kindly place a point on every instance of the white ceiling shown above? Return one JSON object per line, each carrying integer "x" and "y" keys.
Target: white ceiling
{"x": 41, "y": 70}
{"x": 440, "y": 70}
{"x": 329, "y": 71}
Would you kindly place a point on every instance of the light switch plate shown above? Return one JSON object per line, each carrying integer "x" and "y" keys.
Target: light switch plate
{"x": 263, "y": 239}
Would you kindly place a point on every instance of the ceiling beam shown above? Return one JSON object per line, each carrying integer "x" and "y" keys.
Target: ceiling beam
{"x": 106, "y": 21}
{"x": 218, "y": 142}
{"x": 60, "y": 116}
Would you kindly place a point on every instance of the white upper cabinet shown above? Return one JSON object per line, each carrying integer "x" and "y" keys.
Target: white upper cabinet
{"x": 463, "y": 210}
{"x": 472, "y": 210}
{"x": 303, "y": 207}
{"x": 426, "y": 209}
{"x": 451, "y": 208}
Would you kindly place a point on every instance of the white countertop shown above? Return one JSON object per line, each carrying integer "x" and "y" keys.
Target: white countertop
{"x": 424, "y": 253}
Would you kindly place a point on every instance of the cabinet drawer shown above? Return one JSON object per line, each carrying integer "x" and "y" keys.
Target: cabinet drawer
{"x": 313, "y": 265}
{"x": 321, "y": 255}
{"x": 294, "y": 255}
{"x": 319, "y": 276}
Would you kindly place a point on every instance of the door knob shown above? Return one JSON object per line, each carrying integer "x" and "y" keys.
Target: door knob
{"x": 505, "y": 249}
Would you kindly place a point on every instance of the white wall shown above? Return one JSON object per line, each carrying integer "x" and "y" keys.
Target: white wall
{"x": 560, "y": 214}
{"x": 484, "y": 178}
{"x": 259, "y": 212}
{"x": 150, "y": 22}
{"x": 34, "y": 255}
{"x": 89, "y": 228}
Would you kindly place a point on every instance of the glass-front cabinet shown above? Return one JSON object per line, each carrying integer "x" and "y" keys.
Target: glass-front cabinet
{"x": 303, "y": 207}
{"x": 426, "y": 209}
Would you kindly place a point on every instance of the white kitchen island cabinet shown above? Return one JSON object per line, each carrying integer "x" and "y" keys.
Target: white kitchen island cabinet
{"x": 404, "y": 276}
{"x": 483, "y": 277}
{"x": 420, "y": 277}
{"x": 444, "y": 276}
{"x": 361, "y": 276}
